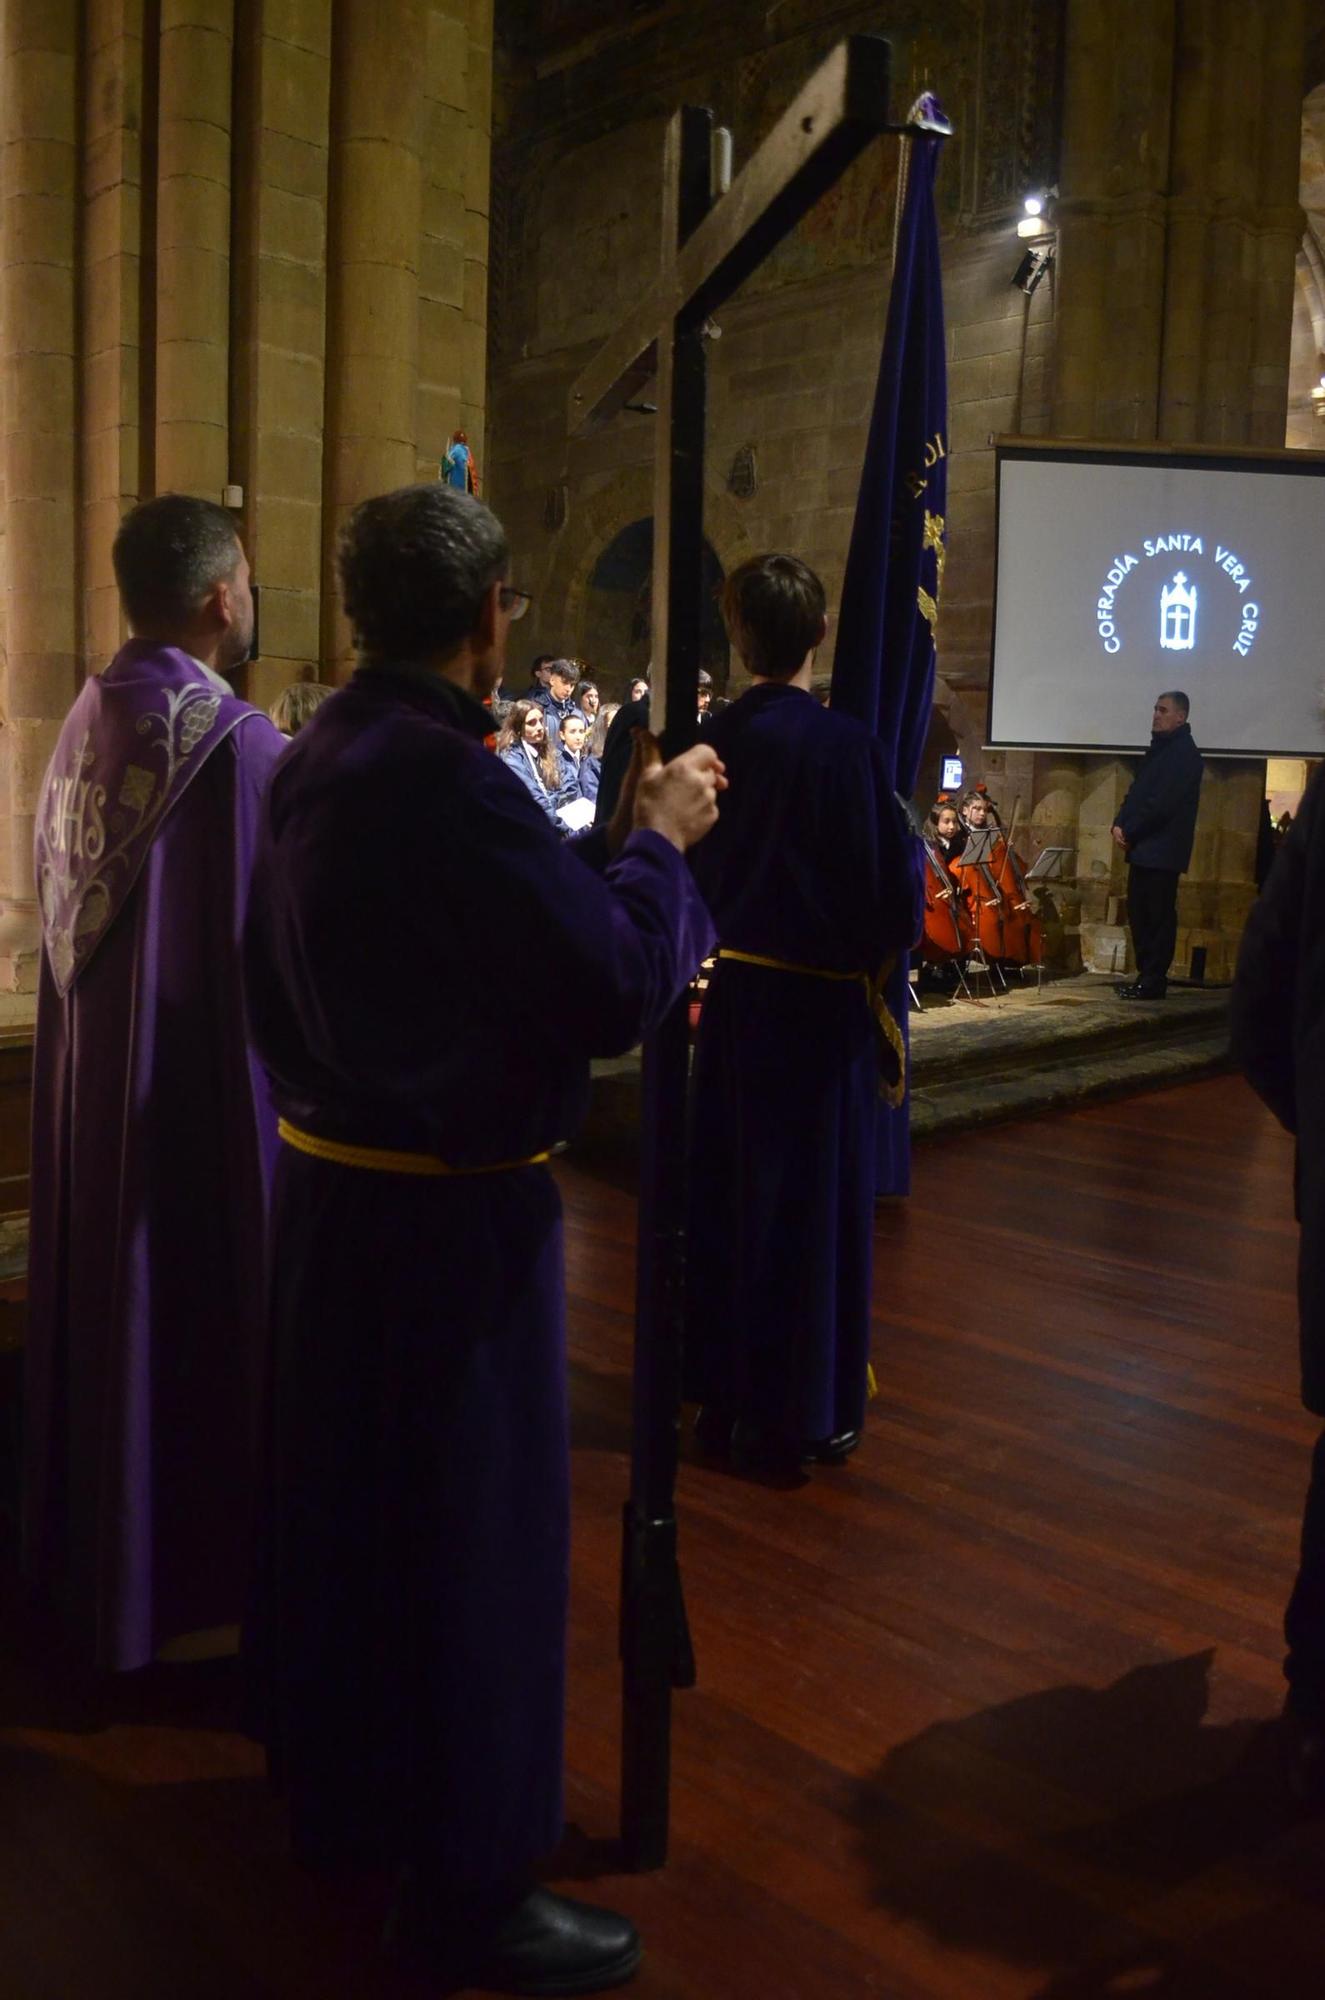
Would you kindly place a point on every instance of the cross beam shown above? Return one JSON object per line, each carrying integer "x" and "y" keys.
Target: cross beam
{"x": 842, "y": 107}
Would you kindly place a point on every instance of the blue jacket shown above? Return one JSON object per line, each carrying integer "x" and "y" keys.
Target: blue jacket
{"x": 555, "y": 711}
{"x": 1158, "y": 815}
{"x": 517, "y": 759}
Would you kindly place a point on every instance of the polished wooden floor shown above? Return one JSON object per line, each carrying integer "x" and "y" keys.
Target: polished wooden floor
{"x": 985, "y": 1713}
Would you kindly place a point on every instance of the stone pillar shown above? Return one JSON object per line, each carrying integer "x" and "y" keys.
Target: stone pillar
{"x": 1112, "y": 219}
{"x": 278, "y": 375}
{"x": 476, "y": 188}
{"x": 379, "y": 67}
{"x": 193, "y": 248}
{"x": 110, "y": 277}
{"x": 38, "y": 239}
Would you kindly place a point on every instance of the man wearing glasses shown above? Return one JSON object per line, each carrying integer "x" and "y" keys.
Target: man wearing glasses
{"x": 415, "y": 924}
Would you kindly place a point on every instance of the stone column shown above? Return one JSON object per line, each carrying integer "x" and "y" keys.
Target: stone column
{"x": 110, "y": 278}
{"x": 193, "y": 248}
{"x": 1178, "y": 237}
{"x": 379, "y": 67}
{"x": 476, "y": 188}
{"x": 278, "y": 381}
{"x": 38, "y": 238}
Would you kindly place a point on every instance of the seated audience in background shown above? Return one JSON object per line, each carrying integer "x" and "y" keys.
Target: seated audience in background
{"x": 588, "y": 701}
{"x": 527, "y": 746}
{"x": 557, "y": 699}
{"x": 294, "y": 704}
{"x": 538, "y": 676}
{"x": 592, "y": 765}
{"x": 705, "y": 695}
{"x": 574, "y": 737}
{"x": 639, "y": 691}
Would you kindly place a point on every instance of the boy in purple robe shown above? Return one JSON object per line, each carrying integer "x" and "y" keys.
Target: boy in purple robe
{"x": 811, "y": 878}
{"x": 415, "y": 923}
{"x": 150, "y": 1127}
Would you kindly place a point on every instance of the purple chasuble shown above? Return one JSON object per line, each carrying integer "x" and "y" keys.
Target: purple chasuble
{"x": 810, "y": 864}
{"x": 152, "y": 1138}
{"x": 417, "y": 934}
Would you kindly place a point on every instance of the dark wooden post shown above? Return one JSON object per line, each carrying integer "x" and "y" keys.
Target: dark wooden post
{"x": 655, "y": 1641}
{"x": 709, "y": 249}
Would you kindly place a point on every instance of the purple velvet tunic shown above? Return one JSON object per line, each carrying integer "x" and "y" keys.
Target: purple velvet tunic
{"x": 417, "y": 934}
{"x": 811, "y": 864}
{"x": 151, "y": 1139}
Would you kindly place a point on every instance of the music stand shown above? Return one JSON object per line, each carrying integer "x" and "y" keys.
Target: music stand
{"x": 1049, "y": 865}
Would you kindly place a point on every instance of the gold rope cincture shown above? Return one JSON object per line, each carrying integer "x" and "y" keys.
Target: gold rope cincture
{"x": 381, "y": 1160}
{"x": 873, "y": 983}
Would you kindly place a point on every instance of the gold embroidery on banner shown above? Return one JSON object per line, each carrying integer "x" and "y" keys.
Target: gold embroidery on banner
{"x": 929, "y": 609}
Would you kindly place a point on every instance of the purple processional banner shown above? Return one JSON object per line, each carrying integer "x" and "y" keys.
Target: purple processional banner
{"x": 883, "y": 667}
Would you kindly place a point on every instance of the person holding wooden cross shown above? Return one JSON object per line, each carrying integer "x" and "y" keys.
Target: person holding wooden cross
{"x": 811, "y": 880}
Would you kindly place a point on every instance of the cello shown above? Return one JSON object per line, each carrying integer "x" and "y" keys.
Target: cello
{"x": 943, "y": 941}
{"x": 1021, "y": 933}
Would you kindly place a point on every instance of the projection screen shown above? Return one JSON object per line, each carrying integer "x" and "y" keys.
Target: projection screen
{"x": 1121, "y": 574}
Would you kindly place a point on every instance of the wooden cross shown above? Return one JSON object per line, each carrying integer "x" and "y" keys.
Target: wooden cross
{"x": 709, "y": 249}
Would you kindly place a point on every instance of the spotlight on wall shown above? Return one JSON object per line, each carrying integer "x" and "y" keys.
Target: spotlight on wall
{"x": 1035, "y": 221}
{"x": 1032, "y": 268}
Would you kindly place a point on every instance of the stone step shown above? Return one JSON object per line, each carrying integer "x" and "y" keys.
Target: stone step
{"x": 1090, "y": 1073}
{"x": 974, "y": 1064}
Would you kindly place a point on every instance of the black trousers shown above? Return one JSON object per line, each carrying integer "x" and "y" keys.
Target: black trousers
{"x": 1304, "y": 1621}
{"x": 1152, "y": 911}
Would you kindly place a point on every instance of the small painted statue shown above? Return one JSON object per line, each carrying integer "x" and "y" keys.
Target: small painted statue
{"x": 458, "y": 467}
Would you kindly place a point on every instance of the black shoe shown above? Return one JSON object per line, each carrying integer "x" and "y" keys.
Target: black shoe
{"x": 713, "y": 1430}
{"x": 550, "y": 1944}
{"x": 540, "y": 1944}
{"x": 1136, "y": 991}
{"x": 835, "y": 1450}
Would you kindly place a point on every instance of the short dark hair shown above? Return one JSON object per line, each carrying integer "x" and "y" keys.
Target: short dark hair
{"x": 414, "y": 567}
{"x": 295, "y": 703}
{"x": 773, "y": 607}
{"x": 565, "y": 670}
{"x": 169, "y": 552}
{"x": 1176, "y": 695}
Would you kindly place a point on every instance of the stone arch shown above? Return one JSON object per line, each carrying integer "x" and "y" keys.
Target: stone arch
{"x": 624, "y": 498}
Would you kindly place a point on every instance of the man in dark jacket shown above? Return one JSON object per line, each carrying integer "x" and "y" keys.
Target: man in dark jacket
{"x": 1156, "y": 825}
{"x": 1278, "y": 1031}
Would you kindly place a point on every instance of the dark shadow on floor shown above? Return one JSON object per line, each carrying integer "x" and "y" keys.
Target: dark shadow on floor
{"x": 1063, "y": 1830}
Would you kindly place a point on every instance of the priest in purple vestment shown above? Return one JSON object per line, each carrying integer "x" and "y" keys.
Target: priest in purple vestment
{"x": 151, "y": 1127}
{"x": 415, "y": 924}
{"x": 812, "y": 880}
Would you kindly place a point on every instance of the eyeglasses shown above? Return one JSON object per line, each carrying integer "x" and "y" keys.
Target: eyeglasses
{"x": 514, "y": 602}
